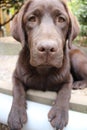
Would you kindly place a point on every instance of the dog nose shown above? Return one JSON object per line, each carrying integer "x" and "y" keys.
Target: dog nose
{"x": 47, "y": 47}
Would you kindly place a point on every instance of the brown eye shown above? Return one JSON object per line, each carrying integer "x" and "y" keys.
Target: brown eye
{"x": 60, "y": 19}
{"x": 32, "y": 18}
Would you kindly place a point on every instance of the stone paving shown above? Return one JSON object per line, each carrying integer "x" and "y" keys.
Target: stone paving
{"x": 9, "y": 49}
{"x": 7, "y": 65}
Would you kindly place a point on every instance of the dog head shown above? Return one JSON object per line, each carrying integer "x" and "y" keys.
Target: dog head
{"x": 45, "y": 26}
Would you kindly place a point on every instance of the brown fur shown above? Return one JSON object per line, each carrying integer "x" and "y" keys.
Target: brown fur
{"x": 78, "y": 68}
{"x": 43, "y": 28}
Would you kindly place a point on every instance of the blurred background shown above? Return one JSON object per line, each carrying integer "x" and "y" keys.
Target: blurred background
{"x": 8, "y": 9}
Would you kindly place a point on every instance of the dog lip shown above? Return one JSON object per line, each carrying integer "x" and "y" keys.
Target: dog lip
{"x": 44, "y": 66}
{"x": 47, "y": 64}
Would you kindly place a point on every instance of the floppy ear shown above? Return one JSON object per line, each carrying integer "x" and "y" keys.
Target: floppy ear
{"x": 73, "y": 29}
{"x": 17, "y": 24}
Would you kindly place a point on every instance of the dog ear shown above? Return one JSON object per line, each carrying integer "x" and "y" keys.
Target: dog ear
{"x": 17, "y": 24}
{"x": 73, "y": 29}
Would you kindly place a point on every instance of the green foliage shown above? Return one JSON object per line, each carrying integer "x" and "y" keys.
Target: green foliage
{"x": 8, "y": 4}
{"x": 79, "y": 8}
{"x": 10, "y": 7}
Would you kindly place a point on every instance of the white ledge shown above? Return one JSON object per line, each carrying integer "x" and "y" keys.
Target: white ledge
{"x": 78, "y": 100}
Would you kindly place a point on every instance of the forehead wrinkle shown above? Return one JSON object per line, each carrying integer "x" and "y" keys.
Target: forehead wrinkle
{"x": 46, "y": 5}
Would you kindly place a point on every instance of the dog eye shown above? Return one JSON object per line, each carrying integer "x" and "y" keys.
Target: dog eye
{"x": 60, "y": 19}
{"x": 32, "y": 18}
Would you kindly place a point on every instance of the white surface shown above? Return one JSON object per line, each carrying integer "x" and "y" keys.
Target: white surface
{"x": 37, "y": 116}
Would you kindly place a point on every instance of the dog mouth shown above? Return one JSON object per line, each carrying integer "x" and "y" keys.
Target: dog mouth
{"x": 45, "y": 63}
{"x": 45, "y": 66}
{"x": 49, "y": 65}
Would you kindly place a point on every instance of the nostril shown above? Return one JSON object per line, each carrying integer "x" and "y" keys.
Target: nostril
{"x": 47, "y": 49}
{"x": 52, "y": 50}
{"x": 42, "y": 49}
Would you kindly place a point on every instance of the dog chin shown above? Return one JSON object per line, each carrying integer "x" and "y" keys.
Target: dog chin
{"x": 49, "y": 66}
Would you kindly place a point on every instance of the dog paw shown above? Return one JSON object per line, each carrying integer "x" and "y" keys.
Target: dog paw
{"x": 58, "y": 118}
{"x": 79, "y": 85}
{"x": 17, "y": 118}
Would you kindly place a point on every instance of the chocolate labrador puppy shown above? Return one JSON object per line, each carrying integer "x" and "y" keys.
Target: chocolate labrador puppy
{"x": 45, "y": 28}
